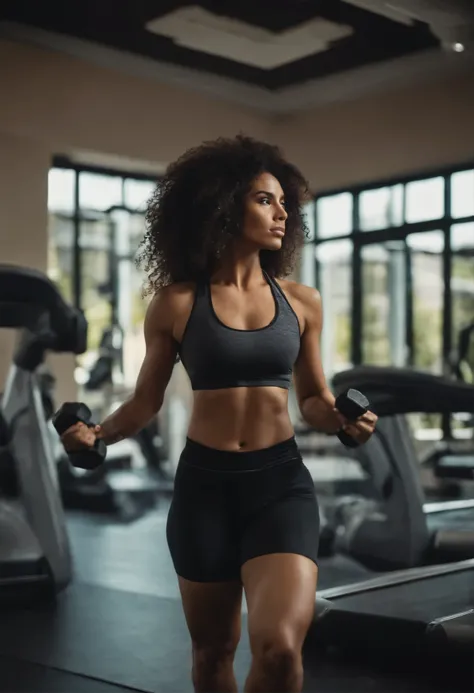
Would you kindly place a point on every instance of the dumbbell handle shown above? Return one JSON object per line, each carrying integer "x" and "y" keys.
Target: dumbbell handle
{"x": 68, "y": 415}
{"x": 352, "y": 404}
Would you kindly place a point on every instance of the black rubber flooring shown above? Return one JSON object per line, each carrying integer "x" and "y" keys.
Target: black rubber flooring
{"x": 100, "y": 639}
{"x": 18, "y": 676}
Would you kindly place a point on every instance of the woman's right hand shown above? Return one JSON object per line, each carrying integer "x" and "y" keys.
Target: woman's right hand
{"x": 80, "y": 437}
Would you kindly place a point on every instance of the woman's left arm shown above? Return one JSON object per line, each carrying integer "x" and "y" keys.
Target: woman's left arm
{"x": 315, "y": 399}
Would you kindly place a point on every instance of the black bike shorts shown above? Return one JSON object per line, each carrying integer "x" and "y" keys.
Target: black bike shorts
{"x": 229, "y": 507}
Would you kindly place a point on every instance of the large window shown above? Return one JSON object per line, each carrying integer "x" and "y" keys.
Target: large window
{"x": 408, "y": 237}
{"x": 395, "y": 266}
{"x": 96, "y": 223}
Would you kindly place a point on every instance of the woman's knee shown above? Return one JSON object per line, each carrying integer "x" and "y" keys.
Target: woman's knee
{"x": 210, "y": 658}
{"x": 277, "y": 651}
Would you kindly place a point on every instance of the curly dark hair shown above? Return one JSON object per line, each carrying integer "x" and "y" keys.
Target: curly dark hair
{"x": 196, "y": 210}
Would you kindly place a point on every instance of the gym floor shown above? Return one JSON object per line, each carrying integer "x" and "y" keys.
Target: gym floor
{"x": 120, "y": 625}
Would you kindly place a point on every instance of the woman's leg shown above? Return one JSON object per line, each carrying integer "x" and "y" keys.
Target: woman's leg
{"x": 280, "y": 590}
{"x": 213, "y": 615}
{"x": 204, "y": 551}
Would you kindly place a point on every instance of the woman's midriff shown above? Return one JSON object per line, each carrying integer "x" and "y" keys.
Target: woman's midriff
{"x": 240, "y": 419}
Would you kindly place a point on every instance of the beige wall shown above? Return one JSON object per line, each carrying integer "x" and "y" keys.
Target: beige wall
{"x": 24, "y": 197}
{"x": 53, "y": 104}
{"x": 70, "y": 105}
{"x": 393, "y": 134}
{"x": 73, "y": 105}
{"x": 23, "y": 213}
{"x": 24, "y": 165}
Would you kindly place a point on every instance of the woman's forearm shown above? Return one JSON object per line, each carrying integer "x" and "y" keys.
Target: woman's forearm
{"x": 318, "y": 411}
{"x": 125, "y": 421}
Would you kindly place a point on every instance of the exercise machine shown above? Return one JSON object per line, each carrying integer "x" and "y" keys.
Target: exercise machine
{"x": 390, "y": 531}
{"x": 422, "y": 617}
{"x": 34, "y": 548}
{"x": 451, "y": 459}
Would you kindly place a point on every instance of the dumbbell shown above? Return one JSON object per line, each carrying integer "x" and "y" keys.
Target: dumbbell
{"x": 68, "y": 415}
{"x": 351, "y": 404}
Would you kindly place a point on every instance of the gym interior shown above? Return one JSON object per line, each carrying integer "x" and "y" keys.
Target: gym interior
{"x": 375, "y": 104}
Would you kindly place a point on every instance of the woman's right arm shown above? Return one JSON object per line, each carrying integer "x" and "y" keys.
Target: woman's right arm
{"x": 153, "y": 378}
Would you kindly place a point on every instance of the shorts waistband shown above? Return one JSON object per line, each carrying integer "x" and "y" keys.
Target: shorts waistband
{"x": 212, "y": 459}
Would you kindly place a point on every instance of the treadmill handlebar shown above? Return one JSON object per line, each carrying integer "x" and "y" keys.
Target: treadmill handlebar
{"x": 394, "y": 391}
{"x": 30, "y": 300}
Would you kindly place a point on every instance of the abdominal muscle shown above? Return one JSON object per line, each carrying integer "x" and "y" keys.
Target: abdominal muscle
{"x": 240, "y": 419}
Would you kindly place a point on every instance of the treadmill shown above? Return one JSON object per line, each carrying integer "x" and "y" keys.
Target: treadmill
{"x": 424, "y": 617}
{"x": 34, "y": 548}
{"x": 394, "y": 531}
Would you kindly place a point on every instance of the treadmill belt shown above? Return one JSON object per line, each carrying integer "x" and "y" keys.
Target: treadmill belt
{"x": 423, "y": 600}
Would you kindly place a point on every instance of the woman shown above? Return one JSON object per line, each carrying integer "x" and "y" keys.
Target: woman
{"x": 223, "y": 229}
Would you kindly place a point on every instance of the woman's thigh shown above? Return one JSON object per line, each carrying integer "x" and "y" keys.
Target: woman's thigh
{"x": 279, "y": 551}
{"x": 280, "y": 590}
{"x": 213, "y": 613}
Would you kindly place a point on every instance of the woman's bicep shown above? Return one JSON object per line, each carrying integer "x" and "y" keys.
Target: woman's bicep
{"x": 309, "y": 377}
{"x": 160, "y": 355}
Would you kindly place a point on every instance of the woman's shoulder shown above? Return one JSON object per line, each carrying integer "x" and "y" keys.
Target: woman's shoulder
{"x": 307, "y": 295}
{"x": 173, "y": 299}
{"x": 176, "y": 296}
{"x": 171, "y": 306}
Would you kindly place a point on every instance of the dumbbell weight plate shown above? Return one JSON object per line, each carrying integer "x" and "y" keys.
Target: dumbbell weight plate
{"x": 352, "y": 404}
{"x": 68, "y": 415}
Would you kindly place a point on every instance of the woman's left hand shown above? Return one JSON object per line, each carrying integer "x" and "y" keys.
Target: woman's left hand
{"x": 361, "y": 429}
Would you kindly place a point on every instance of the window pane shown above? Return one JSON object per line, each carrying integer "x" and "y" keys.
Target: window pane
{"x": 381, "y": 208}
{"x": 334, "y": 215}
{"x": 462, "y": 287}
{"x": 137, "y": 193}
{"x": 426, "y": 259}
{"x": 462, "y": 194}
{"x": 99, "y": 192}
{"x": 424, "y": 199}
{"x": 335, "y": 284}
{"x": 375, "y": 305}
{"x": 61, "y": 190}
{"x": 384, "y": 304}
{"x": 308, "y": 265}
{"x": 96, "y": 282}
{"x": 60, "y": 250}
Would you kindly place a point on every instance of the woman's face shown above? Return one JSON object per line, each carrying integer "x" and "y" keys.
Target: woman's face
{"x": 264, "y": 213}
